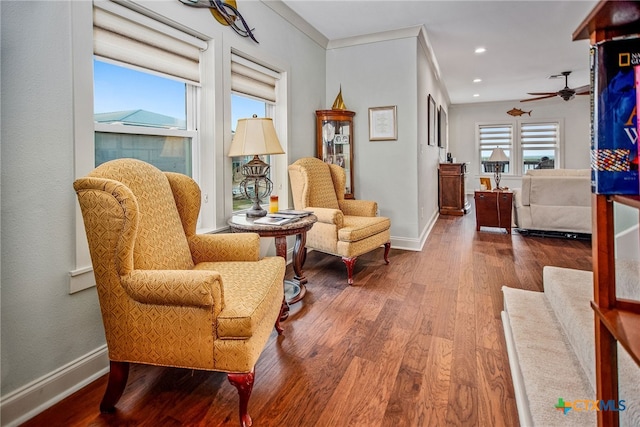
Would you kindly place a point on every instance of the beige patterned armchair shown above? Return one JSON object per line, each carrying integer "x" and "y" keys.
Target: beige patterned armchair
{"x": 346, "y": 228}
{"x": 169, "y": 296}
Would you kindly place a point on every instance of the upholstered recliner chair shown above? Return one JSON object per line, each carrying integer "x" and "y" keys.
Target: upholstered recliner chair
{"x": 347, "y": 228}
{"x": 169, "y": 296}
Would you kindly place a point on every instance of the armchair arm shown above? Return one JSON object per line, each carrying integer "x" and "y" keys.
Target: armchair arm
{"x": 195, "y": 288}
{"x": 328, "y": 215}
{"x": 517, "y": 198}
{"x": 359, "y": 207}
{"x": 225, "y": 247}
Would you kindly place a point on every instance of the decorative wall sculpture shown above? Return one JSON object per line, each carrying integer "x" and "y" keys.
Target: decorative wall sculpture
{"x": 226, "y": 13}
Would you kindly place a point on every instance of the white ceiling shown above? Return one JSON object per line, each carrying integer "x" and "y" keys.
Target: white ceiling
{"x": 526, "y": 41}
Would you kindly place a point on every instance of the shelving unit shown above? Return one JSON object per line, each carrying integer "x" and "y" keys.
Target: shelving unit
{"x": 616, "y": 320}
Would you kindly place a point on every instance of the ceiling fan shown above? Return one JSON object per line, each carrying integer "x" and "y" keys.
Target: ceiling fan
{"x": 567, "y": 94}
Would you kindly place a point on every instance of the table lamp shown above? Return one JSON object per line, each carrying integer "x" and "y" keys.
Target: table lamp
{"x": 255, "y": 137}
{"x": 499, "y": 159}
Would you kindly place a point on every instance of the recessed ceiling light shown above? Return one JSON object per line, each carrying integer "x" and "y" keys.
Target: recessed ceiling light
{"x": 477, "y": 80}
{"x": 475, "y": 95}
{"x": 480, "y": 50}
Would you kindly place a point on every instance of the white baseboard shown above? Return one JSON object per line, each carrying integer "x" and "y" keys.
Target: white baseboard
{"x": 42, "y": 393}
{"x": 415, "y": 245}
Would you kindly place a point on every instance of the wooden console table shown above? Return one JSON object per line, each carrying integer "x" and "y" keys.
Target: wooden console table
{"x": 493, "y": 209}
{"x": 295, "y": 289}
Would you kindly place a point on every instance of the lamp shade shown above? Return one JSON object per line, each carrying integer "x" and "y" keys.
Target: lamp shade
{"x": 498, "y": 155}
{"x": 255, "y": 136}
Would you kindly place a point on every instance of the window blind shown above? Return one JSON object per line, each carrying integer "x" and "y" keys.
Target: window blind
{"x": 539, "y": 135}
{"x": 254, "y": 80}
{"x": 494, "y": 136}
{"x": 135, "y": 39}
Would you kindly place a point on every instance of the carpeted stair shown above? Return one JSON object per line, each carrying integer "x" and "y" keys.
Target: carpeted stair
{"x": 550, "y": 340}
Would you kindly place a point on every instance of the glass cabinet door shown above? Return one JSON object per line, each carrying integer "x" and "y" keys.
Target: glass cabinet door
{"x": 335, "y": 142}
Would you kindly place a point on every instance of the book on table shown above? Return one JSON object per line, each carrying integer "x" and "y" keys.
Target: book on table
{"x": 289, "y": 213}
{"x": 271, "y": 220}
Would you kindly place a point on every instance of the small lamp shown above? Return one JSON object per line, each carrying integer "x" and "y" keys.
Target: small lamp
{"x": 255, "y": 137}
{"x": 499, "y": 159}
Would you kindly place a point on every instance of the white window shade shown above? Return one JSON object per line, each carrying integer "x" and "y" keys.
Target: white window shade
{"x": 154, "y": 47}
{"x": 251, "y": 79}
{"x": 494, "y": 136}
{"x": 539, "y": 135}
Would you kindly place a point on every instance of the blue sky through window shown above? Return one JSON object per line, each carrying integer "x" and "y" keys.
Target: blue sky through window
{"x": 243, "y": 108}
{"x": 120, "y": 89}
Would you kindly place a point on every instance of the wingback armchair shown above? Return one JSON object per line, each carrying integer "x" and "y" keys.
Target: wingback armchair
{"x": 169, "y": 296}
{"x": 347, "y": 228}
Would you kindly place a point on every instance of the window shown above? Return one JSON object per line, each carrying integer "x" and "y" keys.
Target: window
{"x": 253, "y": 92}
{"x": 143, "y": 116}
{"x": 539, "y": 143}
{"x": 528, "y": 145}
{"x": 495, "y": 136}
{"x": 146, "y": 84}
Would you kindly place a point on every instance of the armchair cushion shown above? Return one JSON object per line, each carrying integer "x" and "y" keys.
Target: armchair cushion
{"x": 246, "y": 299}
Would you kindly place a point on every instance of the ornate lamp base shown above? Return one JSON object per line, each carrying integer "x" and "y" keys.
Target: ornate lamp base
{"x": 256, "y": 186}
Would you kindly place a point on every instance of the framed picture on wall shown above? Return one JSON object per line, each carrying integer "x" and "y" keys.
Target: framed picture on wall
{"x": 432, "y": 121}
{"x": 442, "y": 127}
{"x": 382, "y": 124}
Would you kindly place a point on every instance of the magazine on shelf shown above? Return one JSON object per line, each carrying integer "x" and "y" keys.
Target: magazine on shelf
{"x": 614, "y": 134}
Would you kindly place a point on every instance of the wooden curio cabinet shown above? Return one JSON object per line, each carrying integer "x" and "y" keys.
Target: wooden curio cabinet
{"x": 334, "y": 139}
{"x": 452, "y": 197}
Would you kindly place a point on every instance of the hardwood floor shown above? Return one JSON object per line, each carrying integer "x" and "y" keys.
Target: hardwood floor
{"x": 418, "y": 342}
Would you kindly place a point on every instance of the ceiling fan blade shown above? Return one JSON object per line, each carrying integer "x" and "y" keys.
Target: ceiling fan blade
{"x": 583, "y": 90}
{"x": 542, "y": 93}
{"x": 540, "y": 97}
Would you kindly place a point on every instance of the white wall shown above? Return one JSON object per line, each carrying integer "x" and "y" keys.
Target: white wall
{"x": 401, "y": 175}
{"x": 43, "y": 328}
{"x": 573, "y": 114}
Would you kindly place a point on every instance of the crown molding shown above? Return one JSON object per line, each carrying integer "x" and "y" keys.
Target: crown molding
{"x": 297, "y": 21}
{"x": 425, "y": 44}
{"x": 401, "y": 33}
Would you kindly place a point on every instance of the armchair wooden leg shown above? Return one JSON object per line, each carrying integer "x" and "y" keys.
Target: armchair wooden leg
{"x": 387, "y": 246}
{"x": 349, "y": 262}
{"x": 244, "y": 383}
{"x": 118, "y": 375}
{"x": 279, "y": 318}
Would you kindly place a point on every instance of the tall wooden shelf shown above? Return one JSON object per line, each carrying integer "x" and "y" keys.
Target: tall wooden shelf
{"x": 616, "y": 320}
